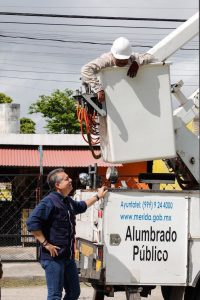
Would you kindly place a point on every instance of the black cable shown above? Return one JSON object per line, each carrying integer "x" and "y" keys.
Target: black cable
{"x": 52, "y": 70}
{"x": 78, "y": 73}
{"x": 5, "y": 64}
{"x": 39, "y": 61}
{"x": 72, "y": 81}
{"x": 87, "y": 25}
{"x": 96, "y": 156}
{"x": 72, "y": 33}
{"x": 43, "y": 72}
{"x": 40, "y": 53}
{"x": 40, "y": 79}
{"x": 49, "y": 46}
{"x": 54, "y": 40}
{"x": 89, "y": 17}
{"x": 77, "y": 42}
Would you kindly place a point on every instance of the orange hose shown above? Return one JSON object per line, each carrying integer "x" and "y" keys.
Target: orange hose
{"x": 91, "y": 125}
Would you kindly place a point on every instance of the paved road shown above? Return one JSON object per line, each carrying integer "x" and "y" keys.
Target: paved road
{"x": 33, "y": 273}
{"x": 39, "y": 293}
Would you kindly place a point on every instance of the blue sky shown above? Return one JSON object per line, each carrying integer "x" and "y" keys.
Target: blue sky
{"x": 31, "y": 67}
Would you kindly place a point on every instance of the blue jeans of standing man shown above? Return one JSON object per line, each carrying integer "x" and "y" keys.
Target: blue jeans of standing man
{"x": 61, "y": 274}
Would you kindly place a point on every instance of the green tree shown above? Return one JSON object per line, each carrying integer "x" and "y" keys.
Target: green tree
{"x": 5, "y": 99}
{"x": 59, "y": 111}
{"x": 27, "y": 125}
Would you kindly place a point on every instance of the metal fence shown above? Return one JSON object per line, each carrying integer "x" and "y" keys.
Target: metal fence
{"x": 18, "y": 196}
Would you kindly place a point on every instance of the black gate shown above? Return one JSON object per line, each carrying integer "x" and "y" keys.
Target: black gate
{"x": 18, "y": 196}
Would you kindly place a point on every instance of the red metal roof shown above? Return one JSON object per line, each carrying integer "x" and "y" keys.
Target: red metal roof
{"x": 51, "y": 158}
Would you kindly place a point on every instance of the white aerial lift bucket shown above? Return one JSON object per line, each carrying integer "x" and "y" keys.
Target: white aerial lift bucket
{"x": 139, "y": 121}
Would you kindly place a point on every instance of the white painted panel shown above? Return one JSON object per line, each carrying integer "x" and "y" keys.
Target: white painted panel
{"x": 194, "y": 228}
{"x": 139, "y": 124}
{"x": 194, "y": 234}
{"x": 85, "y": 223}
{"x": 154, "y": 236}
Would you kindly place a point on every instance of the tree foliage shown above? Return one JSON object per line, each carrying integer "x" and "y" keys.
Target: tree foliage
{"x": 59, "y": 111}
{"x": 5, "y": 99}
{"x": 27, "y": 125}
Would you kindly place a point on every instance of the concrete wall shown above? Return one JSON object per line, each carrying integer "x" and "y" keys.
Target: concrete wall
{"x": 9, "y": 118}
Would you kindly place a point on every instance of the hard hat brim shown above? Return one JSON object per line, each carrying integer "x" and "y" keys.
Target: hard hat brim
{"x": 119, "y": 56}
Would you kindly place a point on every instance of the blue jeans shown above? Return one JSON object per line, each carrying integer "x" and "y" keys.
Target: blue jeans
{"x": 61, "y": 274}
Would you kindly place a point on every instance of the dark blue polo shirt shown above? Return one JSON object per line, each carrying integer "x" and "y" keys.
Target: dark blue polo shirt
{"x": 55, "y": 217}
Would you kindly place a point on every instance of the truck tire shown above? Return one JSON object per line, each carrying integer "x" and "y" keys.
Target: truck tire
{"x": 173, "y": 292}
{"x": 98, "y": 295}
{"x": 192, "y": 293}
{"x": 166, "y": 291}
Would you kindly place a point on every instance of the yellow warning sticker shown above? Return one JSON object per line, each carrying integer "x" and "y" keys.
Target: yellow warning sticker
{"x": 86, "y": 250}
{"x": 98, "y": 265}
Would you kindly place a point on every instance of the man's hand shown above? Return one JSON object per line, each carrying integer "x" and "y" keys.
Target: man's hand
{"x": 132, "y": 71}
{"x": 52, "y": 249}
{"x": 102, "y": 191}
{"x": 101, "y": 96}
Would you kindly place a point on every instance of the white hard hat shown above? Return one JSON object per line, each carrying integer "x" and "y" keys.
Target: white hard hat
{"x": 121, "y": 48}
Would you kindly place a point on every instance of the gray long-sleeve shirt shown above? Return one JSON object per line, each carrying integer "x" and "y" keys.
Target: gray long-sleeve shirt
{"x": 90, "y": 70}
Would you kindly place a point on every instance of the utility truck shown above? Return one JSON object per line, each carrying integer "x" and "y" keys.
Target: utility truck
{"x": 135, "y": 240}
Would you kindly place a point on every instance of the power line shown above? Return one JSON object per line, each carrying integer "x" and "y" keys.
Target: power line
{"x": 78, "y": 73}
{"x": 58, "y": 69}
{"x": 39, "y": 67}
{"x": 63, "y": 47}
{"x": 63, "y": 64}
{"x": 40, "y": 62}
{"x": 86, "y": 25}
{"x": 64, "y": 41}
{"x": 155, "y": 40}
{"x": 190, "y": 62}
{"x": 41, "y": 72}
{"x": 48, "y": 46}
{"x": 76, "y": 42}
{"x": 196, "y": 85}
{"x": 41, "y": 33}
{"x": 89, "y": 17}
{"x": 71, "y": 81}
{"x": 81, "y": 58}
{"x": 61, "y": 55}
{"x": 41, "y": 79}
{"x": 53, "y": 40}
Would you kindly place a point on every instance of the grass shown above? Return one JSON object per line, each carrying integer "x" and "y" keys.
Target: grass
{"x": 21, "y": 282}
{"x": 26, "y": 282}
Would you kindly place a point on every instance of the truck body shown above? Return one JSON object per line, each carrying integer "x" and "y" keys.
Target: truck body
{"x": 138, "y": 239}
{"x": 142, "y": 238}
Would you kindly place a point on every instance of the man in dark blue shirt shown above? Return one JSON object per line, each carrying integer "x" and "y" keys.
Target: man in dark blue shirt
{"x": 52, "y": 223}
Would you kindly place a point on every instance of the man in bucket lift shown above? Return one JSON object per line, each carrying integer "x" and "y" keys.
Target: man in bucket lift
{"x": 121, "y": 55}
